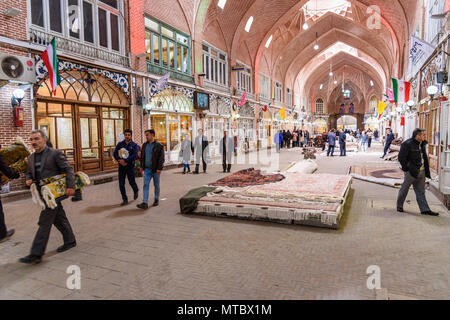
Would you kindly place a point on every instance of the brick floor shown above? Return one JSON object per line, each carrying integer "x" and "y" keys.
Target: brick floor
{"x": 126, "y": 253}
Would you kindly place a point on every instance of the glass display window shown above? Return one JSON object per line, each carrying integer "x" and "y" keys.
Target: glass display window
{"x": 158, "y": 123}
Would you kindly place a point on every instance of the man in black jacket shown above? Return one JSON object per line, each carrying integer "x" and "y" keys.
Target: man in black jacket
{"x": 5, "y": 234}
{"x": 152, "y": 163}
{"x": 414, "y": 161}
{"x": 44, "y": 163}
{"x": 389, "y": 138}
{"x": 342, "y": 141}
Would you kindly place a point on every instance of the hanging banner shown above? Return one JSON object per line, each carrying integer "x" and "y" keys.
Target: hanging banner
{"x": 419, "y": 52}
{"x": 282, "y": 113}
{"x": 242, "y": 102}
{"x": 381, "y": 106}
{"x": 390, "y": 95}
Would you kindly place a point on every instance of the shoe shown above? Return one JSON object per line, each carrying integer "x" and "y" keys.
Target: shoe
{"x": 30, "y": 259}
{"x": 228, "y": 171}
{"x": 156, "y": 203}
{"x": 75, "y": 199}
{"x": 67, "y": 246}
{"x": 9, "y": 234}
{"x": 430, "y": 213}
{"x": 124, "y": 203}
{"x": 399, "y": 209}
{"x": 195, "y": 172}
{"x": 142, "y": 205}
{"x": 183, "y": 172}
{"x": 136, "y": 195}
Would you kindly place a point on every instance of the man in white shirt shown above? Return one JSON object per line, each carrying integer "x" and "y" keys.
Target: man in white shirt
{"x": 201, "y": 149}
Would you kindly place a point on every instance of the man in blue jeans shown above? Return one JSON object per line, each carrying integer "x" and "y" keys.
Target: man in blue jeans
{"x": 152, "y": 162}
{"x": 125, "y": 154}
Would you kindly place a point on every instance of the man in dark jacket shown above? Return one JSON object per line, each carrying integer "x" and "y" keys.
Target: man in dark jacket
{"x": 5, "y": 234}
{"x": 152, "y": 163}
{"x": 44, "y": 163}
{"x": 414, "y": 161}
{"x": 342, "y": 146}
{"x": 127, "y": 164}
{"x": 389, "y": 138}
{"x": 331, "y": 142}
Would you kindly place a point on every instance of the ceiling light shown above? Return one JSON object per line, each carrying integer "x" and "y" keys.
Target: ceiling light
{"x": 316, "y": 46}
{"x": 371, "y": 83}
{"x": 221, "y": 3}
{"x": 305, "y": 26}
{"x": 321, "y": 86}
{"x": 249, "y": 24}
{"x": 335, "y": 81}
{"x": 269, "y": 41}
{"x": 331, "y": 73}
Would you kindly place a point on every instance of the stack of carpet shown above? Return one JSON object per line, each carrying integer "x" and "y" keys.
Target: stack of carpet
{"x": 309, "y": 153}
{"x": 289, "y": 198}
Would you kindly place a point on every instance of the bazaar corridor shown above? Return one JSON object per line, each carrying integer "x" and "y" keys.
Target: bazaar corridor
{"x": 127, "y": 253}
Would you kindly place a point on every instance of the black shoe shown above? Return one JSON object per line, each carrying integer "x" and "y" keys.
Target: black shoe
{"x": 228, "y": 171}
{"x": 75, "y": 199}
{"x": 67, "y": 246}
{"x": 183, "y": 172}
{"x": 142, "y": 205}
{"x": 156, "y": 203}
{"x": 136, "y": 195}
{"x": 430, "y": 213}
{"x": 9, "y": 234}
{"x": 400, "y": 209}
{"x": 195, "y": 172}
{"x": 124, "y": 203}
{"x": 30, "y": 259}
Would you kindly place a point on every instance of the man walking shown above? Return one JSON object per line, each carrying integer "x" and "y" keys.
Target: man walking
{"x": 152, "y": 163}
{"x": 364, "y": 140}
{"x": 278, "y": 140}
{"x": 226, "y": 149}
{"x": 389, "y": 138}
{"x": 331, "y": 142}
{"x": 44, "y": 163}
{"x": 125, "y": 154}
{"x": 342, "y": 146}
{"x": 414, "y": 161}
{"x": 5, "y": 234}
{"x": 201, "y": 148}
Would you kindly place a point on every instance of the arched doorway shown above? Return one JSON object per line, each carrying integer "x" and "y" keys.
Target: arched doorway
{"x": 347, "y": 122}
{"x": 371, "y": 123}
{"x": 85, "y": 118}
{"x": 320, "y": 126}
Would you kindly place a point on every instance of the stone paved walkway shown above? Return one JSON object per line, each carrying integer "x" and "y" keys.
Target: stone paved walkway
{"x": 126, "y": 253}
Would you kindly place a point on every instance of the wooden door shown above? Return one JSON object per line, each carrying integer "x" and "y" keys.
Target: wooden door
{"x": 89, "y": 140}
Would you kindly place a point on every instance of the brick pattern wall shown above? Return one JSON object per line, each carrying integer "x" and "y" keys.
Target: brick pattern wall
{"x": 13, "y": 27}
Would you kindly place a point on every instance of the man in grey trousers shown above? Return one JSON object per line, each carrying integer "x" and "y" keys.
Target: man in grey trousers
{"x": 414, "y": 161}
{"x": 47, "y": 162}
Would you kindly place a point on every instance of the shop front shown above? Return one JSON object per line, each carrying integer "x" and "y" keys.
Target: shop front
{"x": 371, "y": 123}
{"x": 268, "y": 131}
{"x": 244, "y": 128}
{"x": 86, "y": 116}
{"x": 320, "y": 126}
{"x": 172, "y": 117}
{"x": 217, "y": 121}
{"x": 429, "y": 118}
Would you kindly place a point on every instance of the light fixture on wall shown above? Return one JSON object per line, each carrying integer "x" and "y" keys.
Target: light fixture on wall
{"x": 432, "y": 91}
{"x": 221, "y": 3}
{"x": 371, "y": 83}
{"x": 17, "y": 97}
{"x": 249, "y": 24}
{"x": 331, "y": 70}
{"x": 12, "y": 12}
{"x": 305, "y": 26}
{"x": 269, "y": 41}
{"x": 316, "y": 45}
{"x": 321, "y": 86}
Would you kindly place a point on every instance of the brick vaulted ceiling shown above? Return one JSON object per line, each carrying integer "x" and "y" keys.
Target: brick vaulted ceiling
{"x": 291, "y": 47}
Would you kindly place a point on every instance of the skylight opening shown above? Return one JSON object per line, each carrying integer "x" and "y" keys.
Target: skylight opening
{"x": 314, "y": 9}
{"x": 269, "y": 41}
{"x": 221, "y": 3}
{"x": 249, "y": 24}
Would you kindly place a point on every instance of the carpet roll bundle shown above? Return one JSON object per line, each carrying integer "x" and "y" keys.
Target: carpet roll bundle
{"x": 15, "y": 156}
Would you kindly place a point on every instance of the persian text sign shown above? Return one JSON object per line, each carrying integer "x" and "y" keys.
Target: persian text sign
{"x": 419, "y": 52}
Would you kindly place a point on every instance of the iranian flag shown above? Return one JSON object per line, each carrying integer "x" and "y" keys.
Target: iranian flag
{"x": 51, "y": 62}
{"x": 401, "y": 90}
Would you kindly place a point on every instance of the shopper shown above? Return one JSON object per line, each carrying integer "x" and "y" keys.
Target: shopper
{"x": 9, "y": 172}
{"x": 201, "y": 149}
{"x": 152, "y": 164}
{"x": 44, "y": 163}
{"x": 414, "y": 161}
{"x": 375, "y": 134}
{"x": 294, "y": 139}
{"x": 342, "y": 144}
{"x": 226, "y": 149}
{"x": 331, "y": 142}
{"x": 364, "y": 139}
{"x": 186, "y": 153}
{"x": 278, "y": 140}
{"x": 370, "y": 136}
{"x": 126, "y": 161}
{"x": 389, "y": 138}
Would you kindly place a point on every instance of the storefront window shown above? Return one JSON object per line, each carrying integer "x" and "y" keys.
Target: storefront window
{"x": 186, "y": 126}
{"x": 173, "y": 131}
{"x": 159, "y": 125}
{"x": 172, "y": 100}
